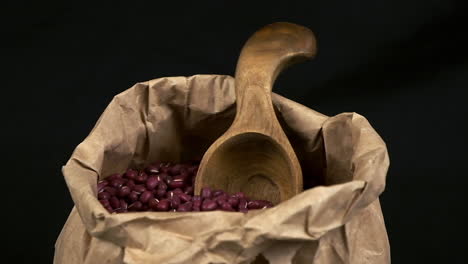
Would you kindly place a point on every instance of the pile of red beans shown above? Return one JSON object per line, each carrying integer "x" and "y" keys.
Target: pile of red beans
{"x": 167, "y": 187}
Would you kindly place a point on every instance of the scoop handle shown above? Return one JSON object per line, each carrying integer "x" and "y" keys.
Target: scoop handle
{"x": 265, "y": 54}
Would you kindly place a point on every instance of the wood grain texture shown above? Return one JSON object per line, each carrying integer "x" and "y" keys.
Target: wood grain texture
{"x": 254, "y": 154}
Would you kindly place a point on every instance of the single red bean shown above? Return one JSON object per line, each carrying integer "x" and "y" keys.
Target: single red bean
{"x": 117, "y": 183}
{"x": 124, "y": 191}
{"x": 114, "y": 202}
{"x": 233, "y": 201}
{"x": 186, "y": 207}
{"x": 101, "y": 185}
{"x": 145, "y": 196}
{"x": 176, "y": 183}
{"x": 152, "y": 169}
{"x": 206, "y": 192}
{"x": 110, "y": 190}
{"x": 104, "y": 196}
{"x": 220, "y": 200}
{"x": 152, "y": 182}
{"x": 196, "y": 198}
{"x": 133, "y": 196}
{"x": 152, "y": 203}
{"x": 139, "y": 188}
{"x": 223, "y": 196}
{"x": 104, "y": 202}
{"x": 163, "y": 205}
{"x": 141, "y": 177}
{"x": 225, "y": 206}
{"x": 123, "y": 204}
{"x": 131, "y": 174}
{"x": 184, "y": 197}
{"x": 209, "y": 205}
{"x": 136, "y": 206}
{"x": 160, "y": 193}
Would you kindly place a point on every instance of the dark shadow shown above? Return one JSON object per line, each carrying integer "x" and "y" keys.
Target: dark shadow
{"x": 439, "y": 45}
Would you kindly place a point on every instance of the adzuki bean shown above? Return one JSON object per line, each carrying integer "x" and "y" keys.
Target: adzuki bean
{"x": 152, "y": 182}
{"x": 114, "y": 202}
{"x": 136, "y": 206}
{"x": 133, "y": 196}
{"x": 208, "y": 205}
{"x": 160, "y": 193}
{"x": 131, "y": 174}
{"x": 124, "y": 191}
{"x": 163, "y": 205}
{"x": 146, "y": 196}
{"x": 111, "y": 190}
{"x": 142, "y": 177}
{"x": 139, "y": 188}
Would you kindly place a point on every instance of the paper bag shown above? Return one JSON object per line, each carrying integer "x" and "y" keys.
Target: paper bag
{"x": 337, "y": 219}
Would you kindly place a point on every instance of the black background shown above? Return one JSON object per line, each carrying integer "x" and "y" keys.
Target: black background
{"x": 401, "y": 64}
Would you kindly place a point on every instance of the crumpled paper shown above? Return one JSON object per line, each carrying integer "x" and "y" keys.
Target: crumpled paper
{"x": 337, "y": 219}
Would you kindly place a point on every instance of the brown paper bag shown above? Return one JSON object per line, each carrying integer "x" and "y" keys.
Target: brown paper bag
{"x": 339, "y": 220}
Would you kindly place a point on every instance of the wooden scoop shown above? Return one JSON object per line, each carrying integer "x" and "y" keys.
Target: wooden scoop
{"x": 254, "y": 155}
